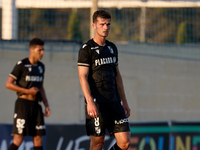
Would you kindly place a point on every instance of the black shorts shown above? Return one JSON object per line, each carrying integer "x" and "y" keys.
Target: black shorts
{"x": 28, "y": 118}
{"x": 111, "y": 117}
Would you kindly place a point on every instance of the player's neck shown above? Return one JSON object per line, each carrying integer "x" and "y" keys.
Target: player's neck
{"x": 32, "y": 60}
{"x": 100, "y": 40}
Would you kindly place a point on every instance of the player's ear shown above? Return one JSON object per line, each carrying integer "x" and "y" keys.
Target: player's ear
{"x": 94, "y": 25}
{"x": 31, "y": 49}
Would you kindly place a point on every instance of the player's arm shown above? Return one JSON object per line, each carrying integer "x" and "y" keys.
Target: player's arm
{"x": 83, "y": 77}
{"x": 12, "y": 86}
{"x": 120, "y": 87}
{"x": 45, "y": 101}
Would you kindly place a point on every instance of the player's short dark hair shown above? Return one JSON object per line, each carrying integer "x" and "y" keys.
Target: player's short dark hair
{"x": 102, "y": 14}
{"x": 36, "y": 41}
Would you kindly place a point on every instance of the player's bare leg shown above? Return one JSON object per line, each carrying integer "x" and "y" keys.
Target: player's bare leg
{"x": 96, "y": 143}
{"x": 18, "y": 139}
{"x": 123, "y": 140}
{"x": 37, "y": 142}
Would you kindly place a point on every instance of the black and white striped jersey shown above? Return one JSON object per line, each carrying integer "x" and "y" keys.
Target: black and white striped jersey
{"x": 102, "y": 62}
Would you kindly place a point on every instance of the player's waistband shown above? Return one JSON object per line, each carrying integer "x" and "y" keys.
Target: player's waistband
{"x": 27, "y": 100}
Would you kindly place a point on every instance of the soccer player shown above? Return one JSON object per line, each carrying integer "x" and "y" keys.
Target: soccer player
{"x": 27, "y": 80}
{"x": 102, "y": 87}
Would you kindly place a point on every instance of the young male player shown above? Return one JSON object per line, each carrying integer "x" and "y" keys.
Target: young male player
{"x": 102, "y": 87}
{"x": 27, "y": 80}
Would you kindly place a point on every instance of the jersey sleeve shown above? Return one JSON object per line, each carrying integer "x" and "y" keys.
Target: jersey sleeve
{"x": 17, "y": 71}
{"x": 84, "y": 56}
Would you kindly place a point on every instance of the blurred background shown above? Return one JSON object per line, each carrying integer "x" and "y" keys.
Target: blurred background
{"x": 159, "y": 55}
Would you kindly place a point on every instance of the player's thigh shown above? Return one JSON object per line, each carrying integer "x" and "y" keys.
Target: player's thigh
{"x": 38, "y": 122}
{"x": 95, "y": 140}
{"x": 37, "y": 140}
{"x": 20, "y": 117}
{"x": 18, "y": 139}
{"x": 117, "y": 120}
{"x": 96, "y": 126}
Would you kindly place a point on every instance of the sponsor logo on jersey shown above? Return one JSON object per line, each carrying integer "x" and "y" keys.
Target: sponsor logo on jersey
{"x": 111, "y": 50}
{"x": 121, "y": 121}
{"x": 95, "y": 47}
{"x": 30, "y": 69}
{"x": 103, "y": 61}
{"x": 40, "y": 127}
{"x": 97, "y": 51}
{"x": 34, "y": 78}
{"x": 28, "y": 65}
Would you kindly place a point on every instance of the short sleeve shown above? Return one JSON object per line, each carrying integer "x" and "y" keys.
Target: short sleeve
{"x": 17, "y": 71}
{"x": 84, "y": 56}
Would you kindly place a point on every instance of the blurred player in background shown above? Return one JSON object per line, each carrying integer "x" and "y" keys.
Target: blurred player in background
{"x": 27, "y": 80}
{"x": 102, "y": 87}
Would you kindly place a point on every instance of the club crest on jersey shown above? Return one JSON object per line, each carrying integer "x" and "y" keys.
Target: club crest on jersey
{"x": 111, "y": 50}
{"x": 98, "y": 130}
{"x": 40, "y": 69}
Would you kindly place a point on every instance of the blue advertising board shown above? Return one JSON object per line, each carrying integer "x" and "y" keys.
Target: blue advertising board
{"x": 166, "y": 135}
{"x": 6, "y": 139}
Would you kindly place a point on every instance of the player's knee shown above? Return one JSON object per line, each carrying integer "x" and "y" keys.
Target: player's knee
{"x": 100, "y": 145}
{"x": 125, "y": 144}
{"x": 37, "y": 140}
{"x": 121, "y": 146}
{"x": 97, "y": 144}
{"x": 18, "y": 139}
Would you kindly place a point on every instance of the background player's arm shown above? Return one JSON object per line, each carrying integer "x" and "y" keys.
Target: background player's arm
{"x": 83, "y": 77}
{"x": 122, "y": 93}
{"x": 45, "y": 101}
{"x": 12, "y": 86}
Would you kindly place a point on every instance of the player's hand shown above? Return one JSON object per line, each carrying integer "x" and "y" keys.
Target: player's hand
{"x": 47, "y": 112}
{"x": 126, "y": 109}
{"x": 33, "y": 91}
{"x": 92, "y": 110}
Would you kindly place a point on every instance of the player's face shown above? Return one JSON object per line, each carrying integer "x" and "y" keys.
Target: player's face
{"x": 102, "y": 26}
{"x": 38, "y": 52}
